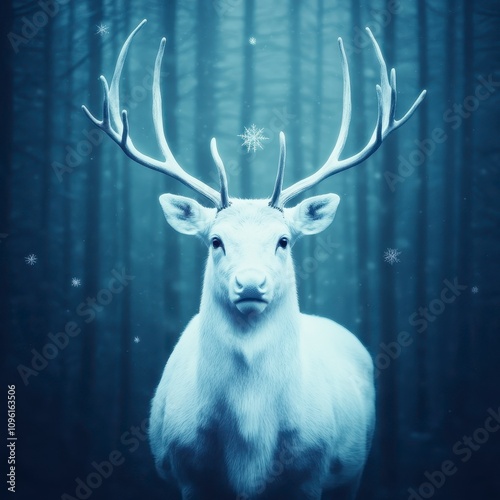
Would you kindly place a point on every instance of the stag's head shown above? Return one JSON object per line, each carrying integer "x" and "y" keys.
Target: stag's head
{"x": 249, "y": 241}
{"x": 249, "y": 244}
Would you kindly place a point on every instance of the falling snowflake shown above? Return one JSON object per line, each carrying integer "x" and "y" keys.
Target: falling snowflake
{"x": 76, "y": 282}
{"x": 252, "y": 40}
{"x": 475, "y": 289}
{"x": 31, "y": 259}
{"x": 137, "y": 340}
{"x": 102, "y": 29}
{"x": 252, "y": 138}
{"x": 391, "y": 255}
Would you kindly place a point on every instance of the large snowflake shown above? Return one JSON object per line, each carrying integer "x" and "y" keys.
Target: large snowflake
{"x": 31, "y": 259}
{"x": 76, "y": 282}
{"x": 391, "y": 255}
{"x": 102, "y": 29}
{"x": 252, "y": 138}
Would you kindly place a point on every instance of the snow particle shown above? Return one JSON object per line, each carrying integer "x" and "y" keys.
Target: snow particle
{"x": 391, "y": 256}
{"x": 31, "y": 259}
{"x": 252, "y": 40}
{"x": 76, "y": 282}
{"x": 252, "y": 138}
{"x": 102, "y": 29}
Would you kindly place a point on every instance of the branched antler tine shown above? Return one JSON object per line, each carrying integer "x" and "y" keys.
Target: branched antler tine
{"x": 346, "y": 107}
{"x": 385, "y": 87}
{"x": 380, "y": 57}
{"x": 111, "y": 95}
{"x": 91, "y": 117}
{"x": 116, "y": 125}
{"x": 157, "y": 107}
{"x": 394, "y": 96}
{"x": 392, "y": 87}
{"x": 125, "y": 129}
{"x": 105, "y": 106}
{"x": 379, "y": 126}
{"x": 386, "y": 123}
{"x": 412, "y": 109}
{"x": 278, "y": 185}
{"x": 224, "y": 191}
{"x": 105, "y": 102}
{"x": 171, "y": 167}
{"x": 114, "y": 88}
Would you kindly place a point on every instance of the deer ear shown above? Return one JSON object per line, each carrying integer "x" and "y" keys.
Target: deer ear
{"x": 314, "y": 214}
{"x": 186, "y": 215}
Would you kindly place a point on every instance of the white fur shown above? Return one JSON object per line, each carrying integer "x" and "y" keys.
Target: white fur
{"x": 249, "y": 380}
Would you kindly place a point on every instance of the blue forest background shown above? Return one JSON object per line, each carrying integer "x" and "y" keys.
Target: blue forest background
{"x": 89, "y": 320}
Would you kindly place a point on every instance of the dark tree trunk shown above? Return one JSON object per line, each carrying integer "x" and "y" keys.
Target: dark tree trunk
{"x": 171, "y": 258}
{"x": 205, "y": 77}
{"x": 6, "y": 99}
{"x": 126, "y": 248}
{"x": 92, "y": 244}
{"x": 465, "y": 207}
{"x": 318, "y": 104}
{"x": 205, "y": 119}
{"x": 50, "y": 293}
{"x": 450, "y": 213}
{"x": 388, "y": 394}
{"x": 485, "y": 275}
{"x": 295, "y": 86}
{"x": 421, "y": 417}
{"x": 359, "y": 138}
{"x": 247, "y": 102}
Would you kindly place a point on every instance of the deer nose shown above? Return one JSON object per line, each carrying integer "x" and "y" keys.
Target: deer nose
{"x": 250, "y": 284}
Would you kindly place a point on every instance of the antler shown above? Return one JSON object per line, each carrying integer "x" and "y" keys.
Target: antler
{"x": 386, "y": 123}
{"x": 116, "y": 125}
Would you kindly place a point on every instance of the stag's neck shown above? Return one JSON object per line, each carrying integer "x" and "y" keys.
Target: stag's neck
{"x": 250, "y": 342}
{"x": 249, "y": 370}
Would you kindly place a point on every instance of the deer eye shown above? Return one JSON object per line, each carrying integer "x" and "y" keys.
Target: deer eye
{"x": 283, "y": 242}
{"x": 216, "y": 242}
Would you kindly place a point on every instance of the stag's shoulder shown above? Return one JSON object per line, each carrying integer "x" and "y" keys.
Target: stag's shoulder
{"x": 340, "y": 369}
{"x": 173, "y": 407}
{"x": 182, "y": 363}
{"x": 179, "y": 373}
{"x": 326, "y": 341}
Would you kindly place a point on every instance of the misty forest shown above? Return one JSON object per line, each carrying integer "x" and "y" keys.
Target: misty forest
{"x": 96, "y": 287}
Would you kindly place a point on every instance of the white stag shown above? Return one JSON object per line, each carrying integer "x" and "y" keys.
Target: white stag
{"x": 258, "y": 400}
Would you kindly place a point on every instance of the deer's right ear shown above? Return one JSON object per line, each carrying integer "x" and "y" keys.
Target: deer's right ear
{"x": 185, "y": 215}
{"x": 314, "y": 214}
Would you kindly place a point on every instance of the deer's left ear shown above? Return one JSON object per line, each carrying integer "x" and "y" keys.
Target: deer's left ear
{"x": 314, "y": 214}
{"x": 186, "y": 215}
